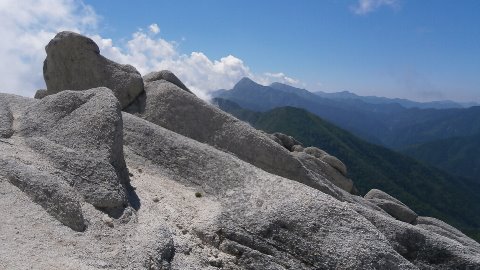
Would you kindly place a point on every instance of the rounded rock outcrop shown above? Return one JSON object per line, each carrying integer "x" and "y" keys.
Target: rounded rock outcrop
{"x": 392, "y": 206}
{"x": 166, "y": 75}
{"x": 41, "y": 93}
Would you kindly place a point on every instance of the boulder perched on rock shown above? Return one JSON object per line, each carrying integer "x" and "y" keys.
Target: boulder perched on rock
{"x": 391, "y": 205}
{"x": 166, "y": 75}
{"x": 74, "y": 63}
{"x": 297, "y": 148}
{"x": 321, "y": 167}
{"x": 286, "y": 141}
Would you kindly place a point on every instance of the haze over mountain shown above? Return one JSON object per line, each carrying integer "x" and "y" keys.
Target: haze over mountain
{"x": 388, "y": 124}
{"x": 442, "y": 104}
{"x": 457, "y": 155}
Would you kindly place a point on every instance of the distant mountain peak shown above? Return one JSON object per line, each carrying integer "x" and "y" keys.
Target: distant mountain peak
{"x": 245, "y": 82}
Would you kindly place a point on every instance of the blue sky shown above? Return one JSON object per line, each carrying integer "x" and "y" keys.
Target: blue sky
{"x": 422, "y": 50}
{"x": 427, "y": 49}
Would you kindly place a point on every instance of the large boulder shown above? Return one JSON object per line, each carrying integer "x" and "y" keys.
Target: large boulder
{"x": 391, "y": 205}
{"x": 74, "y": 63}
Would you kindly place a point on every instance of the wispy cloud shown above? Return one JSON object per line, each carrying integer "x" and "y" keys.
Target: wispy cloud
{"x": 30, "y": 24}
{"x": 278, "y": 77}
{"x": 418, "y": 85}
{"x": 363, "y": 7}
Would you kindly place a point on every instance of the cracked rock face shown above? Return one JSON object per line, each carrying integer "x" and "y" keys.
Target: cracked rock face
{"x": 74, "y": 63}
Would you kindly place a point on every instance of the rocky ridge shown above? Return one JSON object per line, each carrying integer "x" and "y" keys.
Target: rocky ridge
{"x": 173, "y": 182}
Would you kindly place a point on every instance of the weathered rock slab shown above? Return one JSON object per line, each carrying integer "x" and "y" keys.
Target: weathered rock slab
{"x": 264, "y": 221}
{"x": 55, "y": 196}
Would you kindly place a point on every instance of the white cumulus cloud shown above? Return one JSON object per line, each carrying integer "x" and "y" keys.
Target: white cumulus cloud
{"x": 150, "y": 53}
{"x": 367, "y": 6}
{"x": 30, "y": 24}
{"x": 26, "y": 27}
